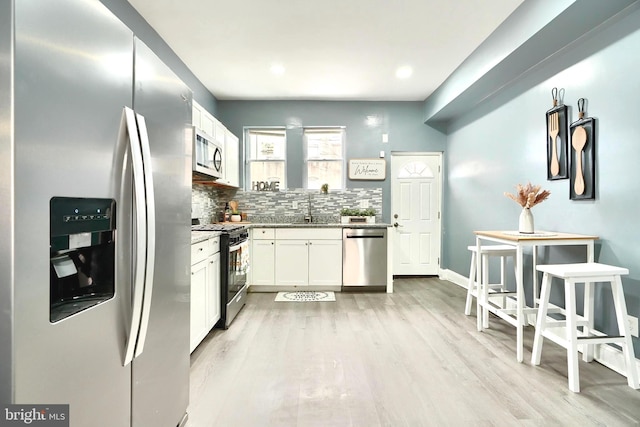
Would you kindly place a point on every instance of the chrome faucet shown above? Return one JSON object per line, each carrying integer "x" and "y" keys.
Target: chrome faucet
{"x": 308, "y": 218}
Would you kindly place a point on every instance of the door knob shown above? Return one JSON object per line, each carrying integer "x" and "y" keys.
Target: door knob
{"x": 395, "y": 216}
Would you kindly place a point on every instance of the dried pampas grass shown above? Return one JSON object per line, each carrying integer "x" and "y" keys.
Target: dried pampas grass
{"x": 529, "y": 195}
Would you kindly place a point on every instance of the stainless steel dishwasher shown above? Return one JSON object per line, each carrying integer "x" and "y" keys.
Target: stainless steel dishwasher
{"x": 364, "y": 259}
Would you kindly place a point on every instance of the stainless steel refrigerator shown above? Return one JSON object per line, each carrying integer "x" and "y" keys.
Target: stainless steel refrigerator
{"x": 95, "y": 222}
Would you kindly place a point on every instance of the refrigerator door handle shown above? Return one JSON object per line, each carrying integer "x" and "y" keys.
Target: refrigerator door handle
{"x": 140, "y": 233}
{"x": 151, "y": 232}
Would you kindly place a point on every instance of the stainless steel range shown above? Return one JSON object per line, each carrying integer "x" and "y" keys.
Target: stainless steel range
{"x": 234, "y": 266}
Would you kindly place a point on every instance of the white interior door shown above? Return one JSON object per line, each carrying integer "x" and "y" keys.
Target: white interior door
{"x": 416, "y": 187}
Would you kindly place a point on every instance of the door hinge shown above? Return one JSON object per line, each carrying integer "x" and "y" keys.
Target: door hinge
{"x": 438, "y": 215}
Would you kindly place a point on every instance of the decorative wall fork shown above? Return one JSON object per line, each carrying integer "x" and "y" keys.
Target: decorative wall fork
{"x": 554, "y": 128}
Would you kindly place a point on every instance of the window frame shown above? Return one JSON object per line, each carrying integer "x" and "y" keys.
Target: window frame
{"x": 341, "y": 160}
{"x": 247, "y": 153}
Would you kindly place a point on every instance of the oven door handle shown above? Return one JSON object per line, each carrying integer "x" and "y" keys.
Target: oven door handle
{"x": 239, "y": 246}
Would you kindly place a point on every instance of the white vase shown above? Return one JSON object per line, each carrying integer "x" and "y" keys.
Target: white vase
{"x": 525, "y": 224}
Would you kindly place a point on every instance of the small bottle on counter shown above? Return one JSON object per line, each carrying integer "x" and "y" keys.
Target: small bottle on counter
{"x": 227, "y": 212}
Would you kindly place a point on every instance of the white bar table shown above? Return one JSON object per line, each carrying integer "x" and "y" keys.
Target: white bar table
{"x": 521, "y": 241}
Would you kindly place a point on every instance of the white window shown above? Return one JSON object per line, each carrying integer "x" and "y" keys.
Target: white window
{"x": 325, "y": 161}
{"x": 266, "y": 157}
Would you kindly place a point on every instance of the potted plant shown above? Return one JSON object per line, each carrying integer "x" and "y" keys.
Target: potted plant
{"x": 235, "y": 216}
{"x": 353, "y": 215}
{"x": 528, "y": 196}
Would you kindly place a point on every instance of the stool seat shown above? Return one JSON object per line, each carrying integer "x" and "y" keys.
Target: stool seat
{"x": 587, "y": 273}
{"x": 477, "y": 276}
{"x": 586, "y": 269}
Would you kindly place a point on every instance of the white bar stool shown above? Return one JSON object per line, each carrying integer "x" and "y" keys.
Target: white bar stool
{"x": 587, "y": 273}
{"x": 494, "y": 289}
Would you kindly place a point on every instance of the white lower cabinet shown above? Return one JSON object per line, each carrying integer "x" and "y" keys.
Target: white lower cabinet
{"x": 296, "y": 257}
{"x": 292, "y": 262}
{"x": 263, "y": 258}
{"x": 325, "y": 262}
{"x": 205, "y": 289}
{"x": 213, "y": 291}
{"x": 199, "y": 273}
{"x": 309, "y": 262}
{"x": 286, "y": 258}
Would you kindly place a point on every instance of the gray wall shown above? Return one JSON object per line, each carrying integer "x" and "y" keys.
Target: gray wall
{"x": 127, "y": 14}
{"x": 402, "y": 121}
{"x": 492, "y": 149}
{"x": 6, "y": 202}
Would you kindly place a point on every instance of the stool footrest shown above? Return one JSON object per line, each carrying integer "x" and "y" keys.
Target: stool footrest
{"x": 494, "y": 293}
{"x": 563, "y": 323}
{"x": 605, "y": 339}
{"x": 508, "y": 313}
{"x": 490, "y": 286}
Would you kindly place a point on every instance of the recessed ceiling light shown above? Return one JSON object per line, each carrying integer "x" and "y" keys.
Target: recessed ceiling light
{"x": 404, "y": 72}
{"x": 277, "y": 69}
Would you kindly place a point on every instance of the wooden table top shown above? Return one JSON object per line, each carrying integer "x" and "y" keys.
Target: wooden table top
{"x": 538, "y": 235}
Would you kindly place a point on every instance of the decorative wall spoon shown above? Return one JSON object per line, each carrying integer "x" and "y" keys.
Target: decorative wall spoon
{"x": 578, "y": 141}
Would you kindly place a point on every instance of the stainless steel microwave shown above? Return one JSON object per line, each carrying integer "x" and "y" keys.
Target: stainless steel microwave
{"x": 207, "y": 154}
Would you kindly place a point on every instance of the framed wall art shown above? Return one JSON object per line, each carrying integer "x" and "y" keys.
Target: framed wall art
{"x": 557, "y": 137}
{"x": 367, "y": 169}
{"x": 583, "y": 156}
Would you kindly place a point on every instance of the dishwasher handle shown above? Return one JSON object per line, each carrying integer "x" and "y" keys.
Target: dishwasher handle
{"x": 365, "y": 236}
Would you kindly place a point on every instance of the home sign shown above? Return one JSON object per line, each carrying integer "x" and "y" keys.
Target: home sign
{"x": 367, "y": 169}
{"x": 265, "y": 185}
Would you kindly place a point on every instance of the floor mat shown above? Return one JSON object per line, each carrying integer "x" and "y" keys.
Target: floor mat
{"x": 306, "y": 296}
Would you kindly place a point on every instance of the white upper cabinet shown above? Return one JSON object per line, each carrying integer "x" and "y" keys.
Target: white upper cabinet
{"x": 196, "y": 114}
{"x": 232, "y": 159}
{"x": 219, "y": 132}
{"x": 204, "y": 121}
{"x": 206, "y": 124}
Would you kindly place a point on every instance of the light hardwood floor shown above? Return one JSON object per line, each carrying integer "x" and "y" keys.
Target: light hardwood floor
{"x": 411, "y": 358}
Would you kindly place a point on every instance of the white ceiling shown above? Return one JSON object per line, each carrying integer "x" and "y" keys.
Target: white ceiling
{"x": 330, "y": 49}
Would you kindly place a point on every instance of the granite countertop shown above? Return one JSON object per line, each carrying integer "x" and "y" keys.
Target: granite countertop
{"x": 201, "y": 236}
{"x": 316, "y": 225}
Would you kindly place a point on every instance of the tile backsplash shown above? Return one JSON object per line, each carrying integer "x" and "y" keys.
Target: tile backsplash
{"x": 278, "y": 207}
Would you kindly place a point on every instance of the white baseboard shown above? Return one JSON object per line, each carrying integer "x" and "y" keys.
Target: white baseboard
{"x": 454, "y": 277}
{"x": 281, "y": 288}
{"x": 606, "y": 355}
